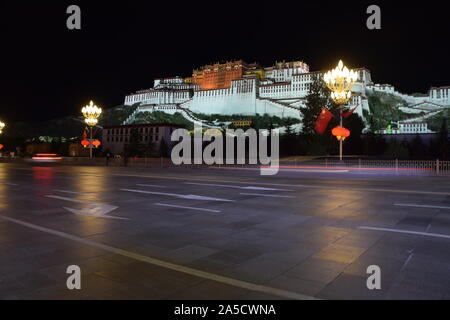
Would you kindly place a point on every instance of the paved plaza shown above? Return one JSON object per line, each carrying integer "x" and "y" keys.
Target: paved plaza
{"x": 179, "y": 233}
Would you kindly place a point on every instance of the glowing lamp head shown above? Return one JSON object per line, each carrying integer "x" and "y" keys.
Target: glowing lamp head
{"x": 91, "y": 114}
{"x": 340, "y": 80}
{"x": 2, "y": 126}
{"x": 340, "y": 133}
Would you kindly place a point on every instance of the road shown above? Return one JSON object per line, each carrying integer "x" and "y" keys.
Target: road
{"x": 221, "y": 234}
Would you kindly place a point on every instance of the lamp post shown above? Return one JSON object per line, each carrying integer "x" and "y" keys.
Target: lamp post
{"x": 2, "y": 126}
{"x": 91, "y": 114}
{"x": 340, "y": 81}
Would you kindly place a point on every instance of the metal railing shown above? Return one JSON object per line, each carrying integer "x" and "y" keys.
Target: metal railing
{"x": 373, "y": 166}
{"x": 388, "y": 166}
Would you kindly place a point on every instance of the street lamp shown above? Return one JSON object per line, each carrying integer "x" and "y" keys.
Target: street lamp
{"x": 340, "y": 81}
{"x": 2, "y": 126}
{"x": 91, "y": 114}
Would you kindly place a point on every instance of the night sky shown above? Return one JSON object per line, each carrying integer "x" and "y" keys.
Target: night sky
{"x": 49, "y": 71}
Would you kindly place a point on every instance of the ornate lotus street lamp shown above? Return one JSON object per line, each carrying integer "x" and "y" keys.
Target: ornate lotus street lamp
{"x": 91, "y": 114}
{"x": 340, "y": 81}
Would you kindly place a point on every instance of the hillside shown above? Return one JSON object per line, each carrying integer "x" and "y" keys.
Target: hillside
{"x": 384, "y": 109}
{"x": 59, "y": 130}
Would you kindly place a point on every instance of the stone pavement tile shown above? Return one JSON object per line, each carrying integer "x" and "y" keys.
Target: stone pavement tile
{"x": 346, "y": 223}
{"x": 434, "y": 248}
{"x": 257, "y": 270}
{"x": 341, "y": 213}
{"x": 243, "y": 249}
{"x": 18, "y": 266}
{"x": 55, "y": 292}
{"x": 306, "y": 287}
{"x": 188, "y": 236}
{"x": 271, "y": 242}
{"x": 262, "y": 296}
{"x": 120, "y": 273}
{"x": 414, "y": 222}
{"x": 138, "y": 292}
{"x": 359, "y": 238}
{"x": 396, "y": 247}
{"x": 17, "y": 235}
{"x": 14, "y": 252}
{"x": 356, "y": 205}
{"x": 97, "y": 286}
{"x": 99, "y": 265}
{"x": 423, "y": 286}
{"x": 210, "y": 265}
{"x": 390, "y": 269}
{"x": 310, "y": 210}
{"x": 300, "y": 231}
{"x": 430, "y": 263}
{"x": 282, "y": 223}
{"x": 35, "y": 280}
{"x": 188, "y": 253}
{"x": 325, "y": 235}
{"x": 117, "y": 258}
{"x": 67, "y": 256}
{"x": 250, "y": 234}
{"x": 318, "y": 270}
{"x": 339, "y": 253}
{"x": 291, "y": 254}
{"x": 349, "y": 287}
{"x": 238, "y": 225}
{"x": 167, "y": 285}
{"x": 440, "y": 223}
{"x": 117, "y": 240}
{"x": 10, "y": 287}
{"x": 385, "y": 220}
{"x": 209, "y": 290}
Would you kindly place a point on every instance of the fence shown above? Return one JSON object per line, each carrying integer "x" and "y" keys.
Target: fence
{"x": 388, "y": 166}
{"x": 411, "y": 167}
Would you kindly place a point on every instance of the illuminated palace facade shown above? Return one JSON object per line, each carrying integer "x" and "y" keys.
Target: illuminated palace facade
{"x": 238, "y": 88}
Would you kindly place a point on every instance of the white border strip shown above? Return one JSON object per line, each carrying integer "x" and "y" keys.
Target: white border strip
{"x": 419, "y": 206}
{"x": 265, "y": 195}
{"x": 189, "y": 208}
{"x": 436, "y": 235}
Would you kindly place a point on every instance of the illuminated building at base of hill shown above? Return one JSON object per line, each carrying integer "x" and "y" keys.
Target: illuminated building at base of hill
{"x": 116, "y": 138}
{"x": 238, "y": 88}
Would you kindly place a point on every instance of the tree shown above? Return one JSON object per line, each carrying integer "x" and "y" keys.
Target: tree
{"x": 417, "y": 148}
{"x": 163, "y": 148}
{"x": 396, "y": 149}
{"x": 149, "y": 149}
{"x": 318, "y": 96}
{"x": 134, "y": 147}
{"x": 443, "y": 143}
{"x": 354, "y": 144}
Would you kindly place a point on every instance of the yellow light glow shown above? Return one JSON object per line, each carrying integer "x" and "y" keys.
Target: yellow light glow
{"x": 340, "y": 81}
{"x": 91, "y": 114}
{"x": 2, "y": 126}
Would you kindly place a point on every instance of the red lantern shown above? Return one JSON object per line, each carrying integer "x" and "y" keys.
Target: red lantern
{"x": 341, "y": 133}
{"x": 1, "y": 146}
{"x": 85, "y": 143}
{"x": 96, "y": 143}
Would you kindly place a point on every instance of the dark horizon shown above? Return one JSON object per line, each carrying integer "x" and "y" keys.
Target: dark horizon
{"x": 51, "y": 72}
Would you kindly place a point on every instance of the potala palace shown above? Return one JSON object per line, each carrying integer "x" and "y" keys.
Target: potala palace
{"x": 238, "y": 88}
